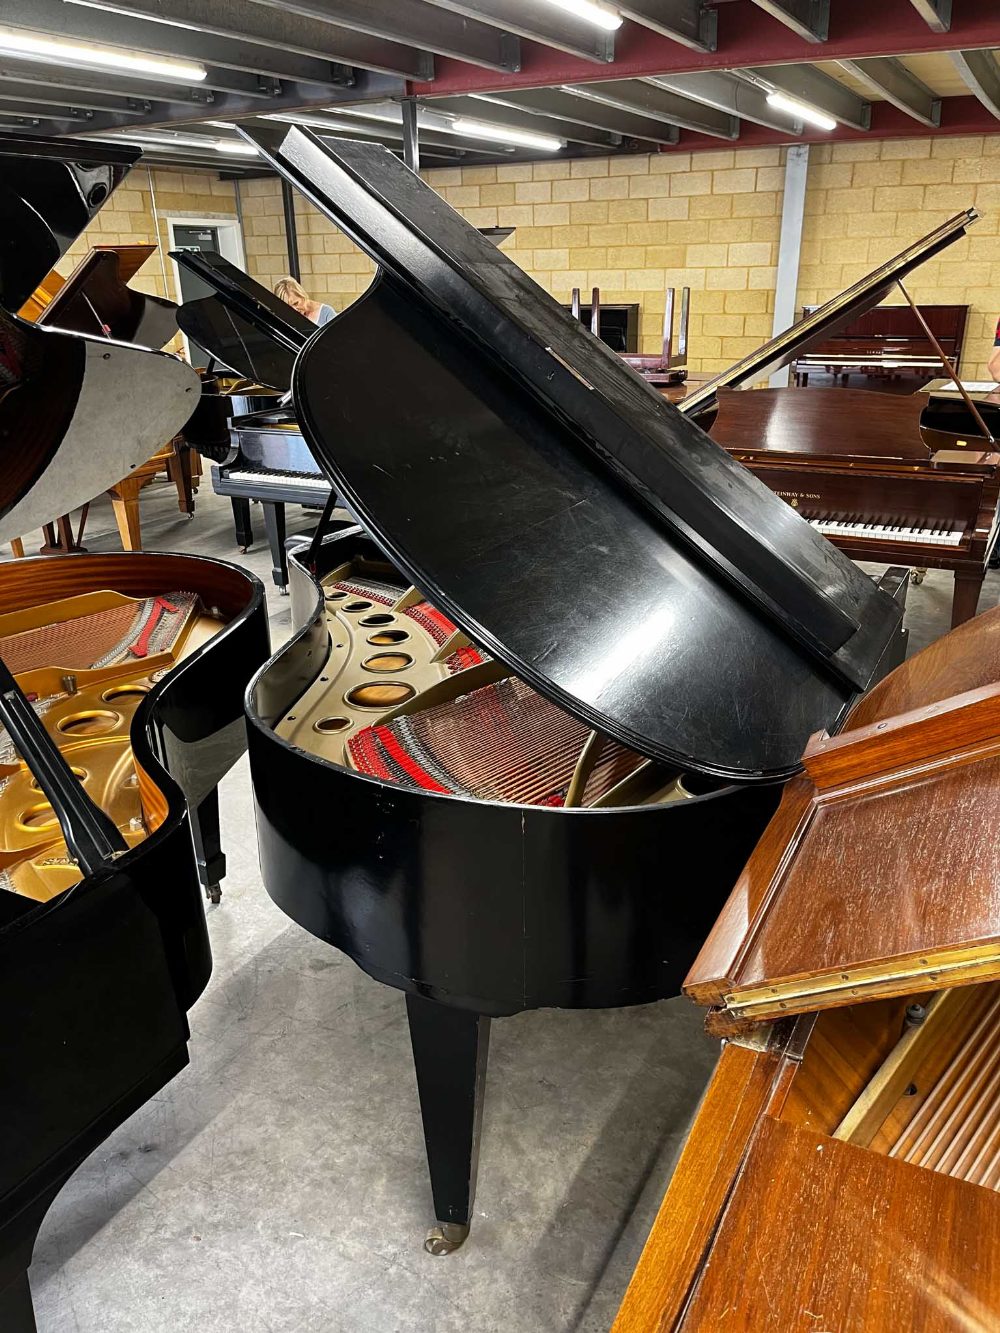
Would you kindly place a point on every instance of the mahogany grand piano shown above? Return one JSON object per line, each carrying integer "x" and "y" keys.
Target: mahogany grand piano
{"x": 121, "y": 683}
{"x": 911, "y": 479}
{"x": 571, "y": 634}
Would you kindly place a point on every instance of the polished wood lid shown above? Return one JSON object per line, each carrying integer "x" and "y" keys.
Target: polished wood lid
{"x": 880, "y": 872}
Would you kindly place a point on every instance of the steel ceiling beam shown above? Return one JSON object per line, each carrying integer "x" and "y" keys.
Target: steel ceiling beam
{"x": 689, "y": 22}
{"x": 726, "y": 93}
{"x": 44, "y": 81}
{"x": 898, "y": 86}
{"x": 83, "y": 24}
{"x": 216, "y": 81}
{"x": 486, "y": 108}
{"x": 563, "y": 105}
{"x": 415, "y": 24}
{"x": 935, "y": 13}
{"x": 75, "y": 104}
{"x": 243, "y": 19}
{"x": 808, "y": 19}
{"x": 747, "y": 39}
{"x": 540, "y": 22}
{"x": 186, "y": 106}
{"x": 808, "y": 84}
{"x": 981, "y": 73}
{"x": 649, "y": 99}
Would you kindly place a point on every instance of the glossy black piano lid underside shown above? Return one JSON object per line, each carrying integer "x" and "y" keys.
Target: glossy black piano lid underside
{"x": 522, "y": 540}
{"x": 50, "y": 189}
{"x": 236, "y": 344}
{"x": 244, "y": 326}
{"x": 751, "y": 539}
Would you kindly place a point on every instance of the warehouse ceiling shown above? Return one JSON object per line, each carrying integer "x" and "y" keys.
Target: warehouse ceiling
{"x": 498, "y": 80}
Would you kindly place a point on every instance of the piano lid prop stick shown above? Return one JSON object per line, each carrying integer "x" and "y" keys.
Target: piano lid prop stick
{"x": 976, "y": 415}
{"x": 320, "y": 533}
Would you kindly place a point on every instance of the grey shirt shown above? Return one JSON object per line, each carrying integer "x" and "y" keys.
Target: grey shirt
{"x": 326, "y": 313}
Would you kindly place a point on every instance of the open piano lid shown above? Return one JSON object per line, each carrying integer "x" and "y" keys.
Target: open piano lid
{"x": 879, "y": 874}
{"x": 77, "y": 412}
{"x": 50, "y": 189}
{"x": 557, "y": 508}
{"x": 243, "y": 326}
{"x": 830, "y": 318}
{"x": 96, "y": 299}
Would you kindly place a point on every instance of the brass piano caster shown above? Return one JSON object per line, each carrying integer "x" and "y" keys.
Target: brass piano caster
{"x": 214, "y": 894}
{"x": 918, "y": 575}
{"x": 445, "y": 1238}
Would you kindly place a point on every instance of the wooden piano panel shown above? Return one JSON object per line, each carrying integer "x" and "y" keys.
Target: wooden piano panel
{"x": 820, "y": 1235}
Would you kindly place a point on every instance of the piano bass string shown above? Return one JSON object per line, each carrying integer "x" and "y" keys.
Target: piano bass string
{"x": 405, "y": 697}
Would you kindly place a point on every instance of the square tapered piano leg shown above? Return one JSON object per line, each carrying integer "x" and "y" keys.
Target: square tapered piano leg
{"x": 450, "y": 1049}
{"x": 965, "y": 600}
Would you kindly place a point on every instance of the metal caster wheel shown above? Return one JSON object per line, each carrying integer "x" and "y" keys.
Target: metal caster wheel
{"x": 214, "y": 894}
{"x": 445, "y": 1238}
{"x": 917, "y": 576}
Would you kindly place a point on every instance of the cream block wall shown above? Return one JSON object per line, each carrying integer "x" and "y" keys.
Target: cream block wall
{"x": 632, "y": 226}
{"x": 867, "y": 201}
{"x": 127, "y": 219}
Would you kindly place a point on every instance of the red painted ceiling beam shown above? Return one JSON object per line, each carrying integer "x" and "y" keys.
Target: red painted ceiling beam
{"x": 959, "y": 115}
{"x": 747, "y": 36}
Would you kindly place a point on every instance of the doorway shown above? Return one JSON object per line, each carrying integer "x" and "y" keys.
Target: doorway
{"x": 223, "y": 236}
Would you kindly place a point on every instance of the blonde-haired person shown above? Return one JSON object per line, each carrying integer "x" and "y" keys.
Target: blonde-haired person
{"x": 295, "y": 295}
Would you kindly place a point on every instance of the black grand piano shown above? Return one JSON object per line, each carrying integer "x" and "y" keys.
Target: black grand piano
{"x": 121, "y": 683}
{"x": 541, "y": 706}
{"x": 257, "y": 336}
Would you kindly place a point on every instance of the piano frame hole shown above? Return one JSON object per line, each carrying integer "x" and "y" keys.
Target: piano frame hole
{"x": 336, "y": 596}
{"x": 387, "y": 662}
{"x": 382, "y": 618}
{"x": 379, "y": 695}
{"x": 38, "y": 817}
{"x": 356, "y": 606}
{"x": 92, "y": 722}
{"x": 80, "y": 774}
{"x": 328, "y": 726}
{"x": 124, "y": 692}
{"x": 387, "y": 637}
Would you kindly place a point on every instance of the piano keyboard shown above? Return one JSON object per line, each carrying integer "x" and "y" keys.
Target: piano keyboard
{"x": 286, "y": 479}
{"x": 857, "y": 527}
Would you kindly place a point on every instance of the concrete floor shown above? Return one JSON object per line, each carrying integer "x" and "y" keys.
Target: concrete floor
{"x": 279, "y": 1182}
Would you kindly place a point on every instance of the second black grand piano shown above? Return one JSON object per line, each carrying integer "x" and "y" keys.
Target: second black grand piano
{"x": 534, "y": 719}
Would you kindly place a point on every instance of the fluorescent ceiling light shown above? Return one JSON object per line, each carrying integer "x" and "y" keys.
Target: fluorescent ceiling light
{"x": 152, "y": 139}
{"x": 601, "y": 16}
{"x": 481, "y": 129}
{"x": 55, "y": 50}
{"x": 801, "y": 111}
{"x": 313, "y": 122}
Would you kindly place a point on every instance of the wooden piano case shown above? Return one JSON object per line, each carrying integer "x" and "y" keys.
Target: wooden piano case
{"x": 844, "y": 1168}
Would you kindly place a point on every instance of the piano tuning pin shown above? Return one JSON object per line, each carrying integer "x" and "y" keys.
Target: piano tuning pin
{"x": 69, "y": 684}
